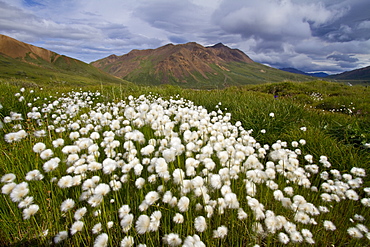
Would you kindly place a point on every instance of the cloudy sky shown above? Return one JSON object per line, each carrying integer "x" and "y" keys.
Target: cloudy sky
{"x": 310, "y": 35}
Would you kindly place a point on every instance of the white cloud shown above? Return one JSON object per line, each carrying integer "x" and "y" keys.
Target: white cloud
{"x": 364, "y": 25}
{"x": 282, "y": 33}
{"x": 70, "y": 32}
{"x": 175, "y": 17}
{"x": 278, "y": 20}
{"x": 299, "y": 34}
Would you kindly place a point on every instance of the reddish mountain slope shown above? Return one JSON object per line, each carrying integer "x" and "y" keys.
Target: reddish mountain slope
{"x": 173, "y": 62}
{"x": 17, "y": 49}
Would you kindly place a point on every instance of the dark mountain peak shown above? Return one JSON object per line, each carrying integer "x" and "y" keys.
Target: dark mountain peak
{"x": 218, "y": 45}
{"x": 168, "y": 45}
{"x": 230, "y": 55}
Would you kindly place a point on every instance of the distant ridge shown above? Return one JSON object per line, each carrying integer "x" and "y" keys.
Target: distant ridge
{"x": 296, "y": 71}
{"x": 191, "y": 65}
{"x": 362, "y": 74}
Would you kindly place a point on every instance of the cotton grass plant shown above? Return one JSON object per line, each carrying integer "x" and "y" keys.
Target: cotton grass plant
{"x": 81, "y": 170}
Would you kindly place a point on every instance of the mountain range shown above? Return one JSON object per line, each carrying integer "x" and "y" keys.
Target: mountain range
{"x": 192, "y": 65}
{"x": 361, "y": 75}
{"x": 189, "y": 65}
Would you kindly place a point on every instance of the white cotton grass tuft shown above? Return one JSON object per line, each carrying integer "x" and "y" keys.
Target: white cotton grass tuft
{"x": 365, "y": 202}
{"x": 30, "y": 211}
{"x": 8, "y": 178}
{"x": 172, "y": 239}
{"x": 110, "y": 224}
{"x": 354, "y": 232}
{"x": 26, "y": 202}
{"x": 7, "y": 188}
{"x": 231, "y": 200}
{"x": 65, "y": 182}
{"x": 183, "y": 204}
{"x": 34, "y": 175}
{"x": 242, "y": 215}
{"x": 51, "y": 164}
{"x": 178, "y": 218}
{"x": 124, "y": 210}
{"x": 155, "y": 220}
{"x": 102, "y": 189}
{"x": 127, "y": 241}
{"x": 80, "y": 213}
{"x": 151, "y": 197}
{"x": 352, "y": 195}
{"x": 362, "y": 228}
{"x": 283, "y": 238}
{"x": 220, "y": 232}
{"x": 46, "y": 154}
{"x": 19, "y": 192}
{"x": 193, "y": 241}
{"x": 76, "y": 227}
{"x": 200, "y": 224}
{"x": 67, "y": 205}
{"x": 296, "y": 237}
{"x": 359, "y": 217}
{"x": 95, "y": 200}
{"x": 328, "y": 225}
{"x": 142, "y": 224}
{"x": 97, "y": 228}
{"x": 58, "y": 143}
{"x": 359, "y": 172}
{"x": 178, "y": 176}
{"x": 63, "y": 235}
{"x": 139, "y": 183}
{"x": 101, "y": 240}
{"x": 126, "y": 222}
{"x": 39, "y": 147}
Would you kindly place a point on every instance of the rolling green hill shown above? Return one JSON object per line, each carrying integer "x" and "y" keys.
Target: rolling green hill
{"x": 22, "y": 61}
{"x": 361, "y": 75}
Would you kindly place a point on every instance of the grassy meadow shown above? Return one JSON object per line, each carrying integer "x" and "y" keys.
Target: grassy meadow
{"x": 278, "y": 164}
{"x": 233, "y": 74}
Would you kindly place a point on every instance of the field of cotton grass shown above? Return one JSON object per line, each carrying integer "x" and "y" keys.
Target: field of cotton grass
{"x": 113, "y": 167}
